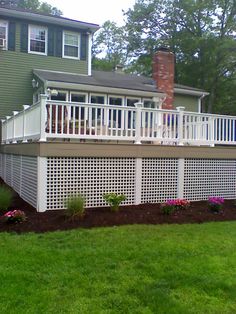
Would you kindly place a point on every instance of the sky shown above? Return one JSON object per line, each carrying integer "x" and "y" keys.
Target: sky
{"x": 93, "y": 11}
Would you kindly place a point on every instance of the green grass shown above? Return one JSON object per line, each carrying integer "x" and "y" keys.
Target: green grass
{"x": 130, "y": 269}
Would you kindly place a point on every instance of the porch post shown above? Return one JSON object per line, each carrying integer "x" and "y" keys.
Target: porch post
{"x": 138, "y": 181}
{"x": 2, "y": 134}
{"x": 43, "y": 99}
{"x": 138, "y": 123}
{"x": 24, "y": 123}
{"x": 180, "y": 125}
{"x": 42, "y": 184}
{"x": 7, "y": 129}
{"x": 181, "y": 178}
{"x": 14, "y": 126}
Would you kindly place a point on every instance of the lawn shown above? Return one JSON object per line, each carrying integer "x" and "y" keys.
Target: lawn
{"x": 129, "y": 269}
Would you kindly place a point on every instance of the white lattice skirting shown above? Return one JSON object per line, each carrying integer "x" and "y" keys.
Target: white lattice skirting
{"x": 45, "y": 183}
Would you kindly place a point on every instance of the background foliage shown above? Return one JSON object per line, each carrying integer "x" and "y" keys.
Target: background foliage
{"x": 202, "y": 34}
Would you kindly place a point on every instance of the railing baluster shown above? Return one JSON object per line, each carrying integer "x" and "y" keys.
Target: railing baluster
{"x": 81, "y": 120}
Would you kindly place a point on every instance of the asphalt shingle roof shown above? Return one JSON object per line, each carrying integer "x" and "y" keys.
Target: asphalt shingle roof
{"x": 108, "y": 79}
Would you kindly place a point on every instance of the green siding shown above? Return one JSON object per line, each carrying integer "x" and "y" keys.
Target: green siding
{"x": 16, "y": 74}
{"x": 189, "y": 102}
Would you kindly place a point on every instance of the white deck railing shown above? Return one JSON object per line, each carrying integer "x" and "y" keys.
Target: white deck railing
{"x": 53, "y": 119}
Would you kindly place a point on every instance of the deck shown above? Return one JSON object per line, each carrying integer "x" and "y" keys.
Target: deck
{"x": 53, "y": 120}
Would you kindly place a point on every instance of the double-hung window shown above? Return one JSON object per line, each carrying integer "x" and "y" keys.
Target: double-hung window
{"x": 71, "y": 45}
{"x": 3, "y": 34}
{"x": 38, "y": 39}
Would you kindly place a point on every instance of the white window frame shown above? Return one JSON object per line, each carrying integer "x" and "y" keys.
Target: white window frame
{"x": 4, "y": 23}
{"x": 61, "y": 91}
{"x": 98, "y": 95}
{"x": 63, "y": 45}
{"x": 78, "y": 93}
{"x": 116, "y": 96}
{"x": 131, "y": 97}
{"x": 31, "y": 26}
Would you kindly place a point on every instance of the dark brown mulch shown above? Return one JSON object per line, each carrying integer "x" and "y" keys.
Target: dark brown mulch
{"x": 102, "y": 217}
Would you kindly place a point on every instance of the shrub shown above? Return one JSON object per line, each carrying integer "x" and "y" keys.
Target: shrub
{"x": 167, "y": 209}
{"x": 171, "y": 205}
{"x": 114, "y": 200}
{"x": 75, "y": 206}
{"x": 215, "y": 203}
{"x": 5, "y": 198}
{"x": 15, "y": 216}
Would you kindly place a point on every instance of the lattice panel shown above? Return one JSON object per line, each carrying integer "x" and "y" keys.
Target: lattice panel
{"x": 16, "y": 168}
{"x": 3, "y": 166}
{"x": 209, "y": 177}
{"x": 90, "y": 177}
{"x": 159, "y": 179}
{"x": 29, "y": 169}
{"x": 8, "y": 170}
{"x": 0, "y": 165}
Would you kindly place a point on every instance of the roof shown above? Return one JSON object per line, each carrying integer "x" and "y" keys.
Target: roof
{"x": 101, "y": 78}
{"x": 47, "y": 18}
{"x": 113, "y": 80}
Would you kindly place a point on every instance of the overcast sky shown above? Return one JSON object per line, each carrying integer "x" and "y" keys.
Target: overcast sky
{"x": 93, "y": 11}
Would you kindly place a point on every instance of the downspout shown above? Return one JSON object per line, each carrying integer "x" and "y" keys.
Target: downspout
{"x": 200, "y": 103}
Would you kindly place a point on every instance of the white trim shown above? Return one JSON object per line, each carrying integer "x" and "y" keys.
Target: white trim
{"x": 90, "y": 54}
{"x": 98, "y": 95}
{"x": 189, "y": 92}
{"x": 103, "y": 89}
{"x": 63, "y": 45}
{"x": 61, "y": 91}
{"x": 132, "y": 97}
{"x": 46, "y": 39}
{"x": 35, "y": 17}
{"x": 116, "y": 96}
{"x": 79, "y": 93}
{"x": 4, "y": 23}
{"x": 42, "y": 184}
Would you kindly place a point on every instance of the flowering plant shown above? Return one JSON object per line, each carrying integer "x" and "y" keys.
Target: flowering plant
{"x": 171, "y": 205}
{"x": 215, "y": 203}
{"x": 15, "y": 216}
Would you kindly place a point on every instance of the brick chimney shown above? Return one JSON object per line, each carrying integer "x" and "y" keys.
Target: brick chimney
{"x": 163, "y": 75}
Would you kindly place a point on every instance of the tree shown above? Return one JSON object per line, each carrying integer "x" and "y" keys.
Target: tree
{"x": 34, "y": 5}
{"x": 109, "y": 47}
{"x": 200, "y": 33}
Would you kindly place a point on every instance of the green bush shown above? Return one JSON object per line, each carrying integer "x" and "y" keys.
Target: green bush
{"x": 6, "y": 197}
{"x": 167, "y": 209}
{"x": 114, "y": 200}
{"x": 75, "y": 206}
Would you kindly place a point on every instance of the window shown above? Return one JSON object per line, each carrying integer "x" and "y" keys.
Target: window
{"x": 37, "y": 39}
{"x": 60, "y": 96}
{"x": 71, "y": 45}
{"x": 76, "y": 97}
{"x": 132, "y": 101}
{"x": 148, "y": 103}
{"x": 116, "y": 117}
{"x": 78, "y": 112}
{"x": 3, "y": 34}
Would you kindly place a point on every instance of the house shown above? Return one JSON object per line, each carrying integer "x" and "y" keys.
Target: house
{"x": 56, "y": 52}
{"x": 67, "y": 129}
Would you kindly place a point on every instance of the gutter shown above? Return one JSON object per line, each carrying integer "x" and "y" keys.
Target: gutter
{"x": 101, "y": 89}
{"x": 190, "y": 92}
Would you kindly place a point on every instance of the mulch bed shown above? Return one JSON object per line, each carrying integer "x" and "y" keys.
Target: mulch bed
{"x": 101, "y": 217}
